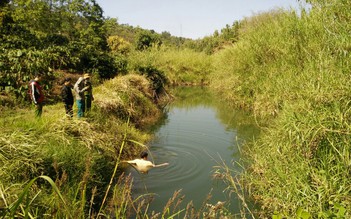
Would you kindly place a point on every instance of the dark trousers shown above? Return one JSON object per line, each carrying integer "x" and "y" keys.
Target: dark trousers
{"x": 87, "y": 103}
{"x": 69, "y": 110}
{"x": 38, "y": 109}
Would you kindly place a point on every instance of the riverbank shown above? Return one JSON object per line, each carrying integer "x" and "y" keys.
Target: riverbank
{"x": 291, "y": 70}
{"x": 79, "y": 155}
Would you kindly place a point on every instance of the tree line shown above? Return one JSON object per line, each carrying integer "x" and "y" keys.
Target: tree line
{"x": 73, "y": 35}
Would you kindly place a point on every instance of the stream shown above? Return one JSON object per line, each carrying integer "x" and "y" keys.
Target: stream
{"x": 198, "y": 132}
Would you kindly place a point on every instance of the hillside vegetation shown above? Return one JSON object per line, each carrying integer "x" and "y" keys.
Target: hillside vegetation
{"x": 293, "y": 70}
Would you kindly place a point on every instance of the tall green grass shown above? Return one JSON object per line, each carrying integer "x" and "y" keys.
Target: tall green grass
{"x": 292, "y": 69}
{"x": 181, "y": 66}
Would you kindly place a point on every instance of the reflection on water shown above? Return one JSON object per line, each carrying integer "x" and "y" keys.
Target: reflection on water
{"x": 197, "y": 133}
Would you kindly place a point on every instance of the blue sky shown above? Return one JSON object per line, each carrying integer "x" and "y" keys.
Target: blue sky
{"x": 187, "y": 18}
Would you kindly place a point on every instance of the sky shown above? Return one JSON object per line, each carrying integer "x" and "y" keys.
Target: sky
{"x": 187, "y": 18}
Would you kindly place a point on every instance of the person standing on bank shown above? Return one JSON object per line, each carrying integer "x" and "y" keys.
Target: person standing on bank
{"x": 36, "y": 95}
{"x": 88, "y": 93}
{"x": 80, "y": 98}
{"x": 67, "y": 97}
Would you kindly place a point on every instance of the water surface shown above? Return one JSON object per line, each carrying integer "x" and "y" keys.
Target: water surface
{"x": 198, "y": 132}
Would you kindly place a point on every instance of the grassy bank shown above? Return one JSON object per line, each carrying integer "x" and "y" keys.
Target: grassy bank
{"x": 293, "y": 71}
{"x": 79, "y": 155}
{"x": 181, "y": 66}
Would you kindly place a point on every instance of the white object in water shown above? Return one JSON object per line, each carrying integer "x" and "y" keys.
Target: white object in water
{"x": 143, "y": 166}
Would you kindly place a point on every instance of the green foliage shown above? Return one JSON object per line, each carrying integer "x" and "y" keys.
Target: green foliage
{"x": 180, "y": 66}
{"x": 4, "y": 3}
{"x": 300, "y": 214}
{"x": 18, "y": 67}
{"x": 120, "y": 48}
{"x": 118, "y": 45}
{"x": 100, "y": 63}
{"x": 13, "y": 35}
{"x": 55, "y": 40}
{"x": 156, "y": 77}
{"x": 338, "y": 212}
{"x": 120, "y": 63}
{"x": 13, "y": 208}
{"x": 69, "y": 35}
{"x": 125, "y": 31}
{"x": 292, "y": 69}
{"x": 216, "y": 42}
{"x": 147, "y": 39}
{"x": 38, "y": 36}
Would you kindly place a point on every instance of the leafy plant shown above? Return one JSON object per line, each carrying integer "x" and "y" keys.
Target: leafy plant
{"x": 21, "y": 206}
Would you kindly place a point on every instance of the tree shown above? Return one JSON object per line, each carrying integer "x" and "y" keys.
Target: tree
{"x": 118, "y": 45}
{"x": 146, "y": 39}
{"x": 39, "y": 35}
{"x": 4, "y": 3}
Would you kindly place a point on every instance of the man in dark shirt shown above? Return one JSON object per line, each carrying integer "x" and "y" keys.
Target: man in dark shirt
{"x": 88, "y": 93}
{"x": 67, "y": 97}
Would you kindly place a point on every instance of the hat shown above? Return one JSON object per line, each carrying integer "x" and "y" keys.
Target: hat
{"x": 86, "y": 76}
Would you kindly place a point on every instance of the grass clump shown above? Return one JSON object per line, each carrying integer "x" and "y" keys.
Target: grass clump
{"x": 131, "y": 97}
